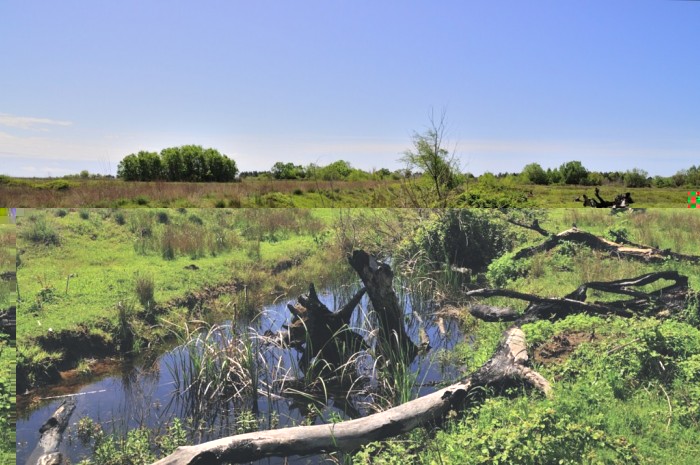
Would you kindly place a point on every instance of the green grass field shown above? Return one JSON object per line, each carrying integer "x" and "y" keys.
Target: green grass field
{"x": 256, "y": 193}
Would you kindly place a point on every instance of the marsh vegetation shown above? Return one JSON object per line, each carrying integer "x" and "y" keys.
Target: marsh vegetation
{"x": 209, "y": 347}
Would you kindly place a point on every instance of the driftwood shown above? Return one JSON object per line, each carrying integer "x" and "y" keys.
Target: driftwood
{"x": 46, "y": 451}
{"x": 642, "y": 303}
{"x": 323, "y": 335}
{"x": 632, "y": 251}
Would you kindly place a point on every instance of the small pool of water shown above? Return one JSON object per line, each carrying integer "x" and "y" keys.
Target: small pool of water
{"x": 124, "y": 396}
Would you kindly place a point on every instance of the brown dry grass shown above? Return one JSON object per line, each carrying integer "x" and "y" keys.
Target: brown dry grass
{"x": 113, "y": 193}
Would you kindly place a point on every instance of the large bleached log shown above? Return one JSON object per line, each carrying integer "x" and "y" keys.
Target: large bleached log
{"x": 46, "y": 451}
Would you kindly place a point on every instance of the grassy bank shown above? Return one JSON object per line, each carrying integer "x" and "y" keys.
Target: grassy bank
{"x": 8, "y": 385}
{"x": 97, "y": 282}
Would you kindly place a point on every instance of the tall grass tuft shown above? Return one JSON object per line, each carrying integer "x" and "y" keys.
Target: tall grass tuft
{"x": 144, "y": 287}
{"x": 214, "y": 368}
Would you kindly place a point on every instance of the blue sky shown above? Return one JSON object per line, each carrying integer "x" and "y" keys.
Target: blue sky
{"x": 613, "y": 84}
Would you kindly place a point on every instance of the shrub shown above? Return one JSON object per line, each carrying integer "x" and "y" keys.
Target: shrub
{"x": 84, "y": 214}
{"x": 195, "y": 219}
{"x": 60, "y": 213}
{"x": 119, "y": 218}
{"x": 40, "y": 231}
{"x": 465, "y": 238}
{"x": 637, "y": 178}
{"x": 162, "y": 218}
{"x": 141, "y": 200}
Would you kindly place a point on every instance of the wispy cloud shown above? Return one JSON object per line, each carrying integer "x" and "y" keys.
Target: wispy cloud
{"x": 30, "y": 122}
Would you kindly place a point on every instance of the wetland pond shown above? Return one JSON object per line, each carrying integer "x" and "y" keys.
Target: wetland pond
{"x": 143, "y": 393}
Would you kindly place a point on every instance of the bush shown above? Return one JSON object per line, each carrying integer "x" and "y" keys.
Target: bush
{"x": 40, "y": 231}
{"x": 533, "y": 173}
{"x": 162, "y": 218}
{"x": 119, "y": 218}
{"x": 573, "y": 172}
{"x": 141, "y": 200}
{"x": 464, "y": 238}
{"x": 60, "y": 213}
{"x": 84, "y": 214}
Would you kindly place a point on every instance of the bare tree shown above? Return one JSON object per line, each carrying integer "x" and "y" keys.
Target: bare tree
{"x": 430, "y": 156}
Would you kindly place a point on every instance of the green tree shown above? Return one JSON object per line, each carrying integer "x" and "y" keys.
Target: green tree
{"x": 150, "y": 166}
{"x": 129, "y": 169}
{"x": 281, "y": 170}
{"x": 192, "y": 163}
{"x": 173, "y": 165}
{"x": 431, "y": 157}
{"x": 573, "y": 172}
{"x": 337, "y": 170}
{"x": 534, "y": 174}
{"x": 636, "y": 178}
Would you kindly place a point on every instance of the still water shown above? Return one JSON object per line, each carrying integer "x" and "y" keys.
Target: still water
{"x": 142, "y": 393}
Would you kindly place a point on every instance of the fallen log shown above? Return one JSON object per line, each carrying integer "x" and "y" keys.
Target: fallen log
{"x": 634, "y": 252}
{"x": 507, "y": 367}
{"x": 644, "y": 303}
{"x": 46, "y": 451}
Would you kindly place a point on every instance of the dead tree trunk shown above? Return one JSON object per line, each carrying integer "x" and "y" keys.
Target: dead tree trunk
{"x": 321, "y": 334}
{"x": 632, "y": 251}
{"x": 46, "y": 451}
{"x": 393, "y": 341}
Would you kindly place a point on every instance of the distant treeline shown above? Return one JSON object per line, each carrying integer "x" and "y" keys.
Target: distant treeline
{"x": 188, "y": 163}
{"x": 192, "y": 163}
{"x": 338, "y": 170}
{"x": 574, "y": 172}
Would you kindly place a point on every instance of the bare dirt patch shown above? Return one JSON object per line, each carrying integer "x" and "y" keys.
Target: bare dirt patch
{"x": 557, "y": 349}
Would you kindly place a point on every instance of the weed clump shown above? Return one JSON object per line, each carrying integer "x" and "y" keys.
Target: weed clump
{"x": 40, "y": 231}
{"x": 195, "y": 220}
{"x": 162, "y": 218}
{"x": 141, "y": 200}
{"x": 144, "y": 287}
{"x": 119, "y": 218}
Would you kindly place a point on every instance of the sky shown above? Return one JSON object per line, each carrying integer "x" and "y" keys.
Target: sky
{"x": 615, "y": 85}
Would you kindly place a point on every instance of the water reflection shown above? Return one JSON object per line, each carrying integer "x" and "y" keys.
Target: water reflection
{"x": 143, "y": 393}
